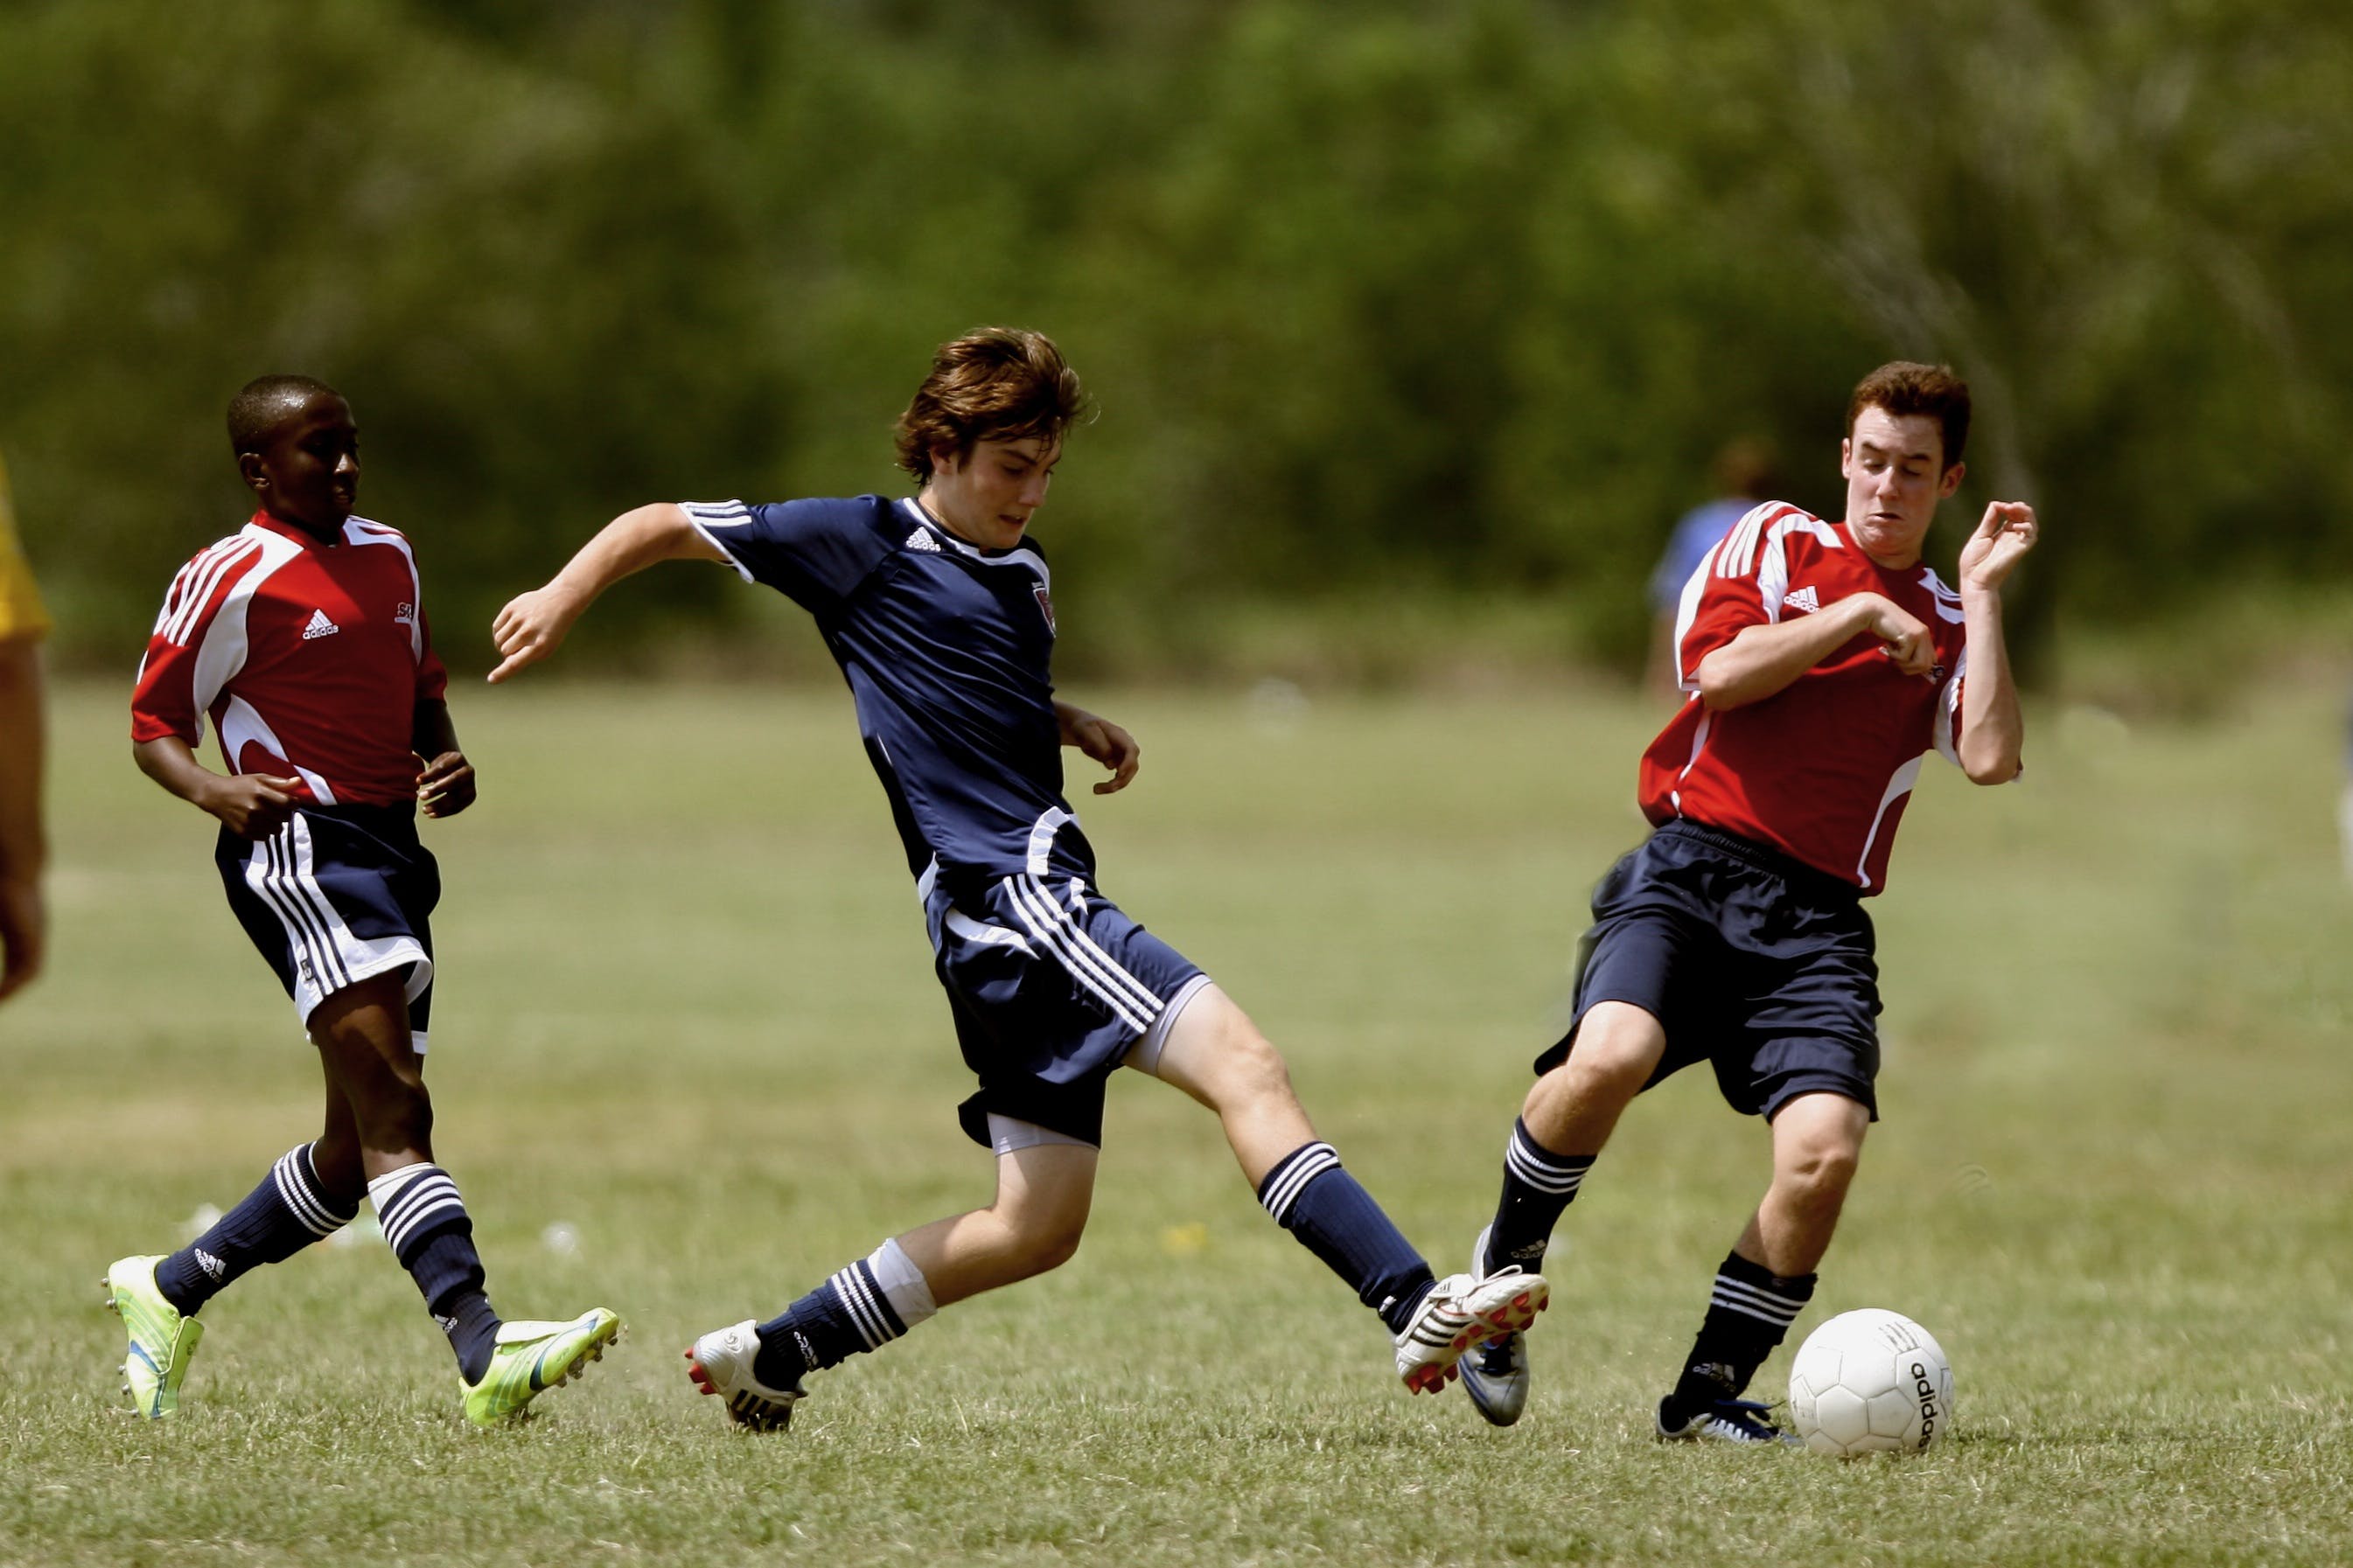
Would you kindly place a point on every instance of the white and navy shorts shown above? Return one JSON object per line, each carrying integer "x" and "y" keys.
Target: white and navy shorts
{"x": 1052, "y": 986}
{"x": 339, "y": 895}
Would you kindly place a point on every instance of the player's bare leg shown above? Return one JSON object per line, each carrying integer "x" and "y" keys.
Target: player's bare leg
{"x": 1769, "y": 1278}
{"x": 372, "y": 1065}
{"x": 364, "y": 1038}
{"x": 1216, "y": 1054}
{"x": 1033, "y": 1225}
{"x": 1573, "y": 1109}
{"x": 1566, "y": 1120}
{"x": 1817, "y": 1142}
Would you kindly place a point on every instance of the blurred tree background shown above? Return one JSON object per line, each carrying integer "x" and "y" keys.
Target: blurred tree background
{"x": 1412, "y": 325}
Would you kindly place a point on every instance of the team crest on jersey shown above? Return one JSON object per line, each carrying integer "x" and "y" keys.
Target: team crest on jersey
{"x": 1046, "y": 605}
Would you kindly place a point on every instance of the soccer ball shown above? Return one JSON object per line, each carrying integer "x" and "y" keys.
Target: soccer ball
{"x": 1871, "y": 1382}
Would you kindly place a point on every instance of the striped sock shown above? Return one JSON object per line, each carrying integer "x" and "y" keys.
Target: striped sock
{"x": 1748, "y": 1313}
{"x": 857, "y": 1308}
{"x": 426, "y": 1223}
{"x": 1538, "y": 1184}
{"x": 288, "y": 1212}
{"x": 1310, "y": 1196}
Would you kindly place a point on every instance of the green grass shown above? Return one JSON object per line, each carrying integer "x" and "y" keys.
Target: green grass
{"x": 2113, "y": 1176}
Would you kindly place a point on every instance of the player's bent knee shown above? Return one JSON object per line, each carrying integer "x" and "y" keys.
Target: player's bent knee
{"x": 1820, "y": 1173}
{"x": 1618, "y": 1046}
{"x": 398, "y": 1114}
{"x": 1038, "y": 1246}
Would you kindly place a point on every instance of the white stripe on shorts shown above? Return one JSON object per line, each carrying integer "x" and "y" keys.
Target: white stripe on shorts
{"x": 1086, "y": 962}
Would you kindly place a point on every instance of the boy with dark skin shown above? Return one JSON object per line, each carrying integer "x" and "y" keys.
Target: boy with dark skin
{"x": 336, "y": 734}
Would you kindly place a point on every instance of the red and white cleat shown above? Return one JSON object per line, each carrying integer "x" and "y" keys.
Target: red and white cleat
{"x": 1461, "y": 1312}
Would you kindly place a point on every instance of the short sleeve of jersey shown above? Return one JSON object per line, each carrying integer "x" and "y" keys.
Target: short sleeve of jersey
{"x": 1724, "y": 597}
{"x": 166, "y": 701}
{"x": 815, "y": 553}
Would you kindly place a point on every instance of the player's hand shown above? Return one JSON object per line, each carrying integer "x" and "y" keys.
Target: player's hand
{"x": 1107, "y": 743}
{"x": 2003, "y": 537}
{"x": 445, "y": 786}
{"x": 252, "y": 806}
{"x": 531, "y": 626}
{"x": 1903, "y": 637}
{"x": 23, "y": 933}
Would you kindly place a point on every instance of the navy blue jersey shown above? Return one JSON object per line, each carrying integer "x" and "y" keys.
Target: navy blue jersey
{"x": 948, "y": 650}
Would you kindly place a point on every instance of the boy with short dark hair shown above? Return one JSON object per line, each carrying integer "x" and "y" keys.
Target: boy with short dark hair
{"x": 940, "y": 612}
{"x": 1821, "y": 662}
{"x": 302, "y": 638}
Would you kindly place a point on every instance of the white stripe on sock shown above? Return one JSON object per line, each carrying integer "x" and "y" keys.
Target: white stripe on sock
{"x": 294, "y": 1190}
{"x": 1303, "y": 1167}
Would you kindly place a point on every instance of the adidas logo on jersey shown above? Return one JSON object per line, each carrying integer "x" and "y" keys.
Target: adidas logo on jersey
{"x": 1804, "y": 601}
{"x": 919, "y": 540}
{"x": 320, "y": 627}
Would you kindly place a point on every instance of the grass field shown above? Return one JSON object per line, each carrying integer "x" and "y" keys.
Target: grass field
{"x": 686, "y": 1010}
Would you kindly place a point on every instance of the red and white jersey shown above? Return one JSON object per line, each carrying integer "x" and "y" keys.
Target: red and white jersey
{"x": 1822, "y": 769}
{"x": 310, "y": 659}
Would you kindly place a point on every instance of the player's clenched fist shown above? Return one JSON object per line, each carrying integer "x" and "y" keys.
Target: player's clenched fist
{"x": 1903, "y": 635}
{"x": 2004, "y": 535}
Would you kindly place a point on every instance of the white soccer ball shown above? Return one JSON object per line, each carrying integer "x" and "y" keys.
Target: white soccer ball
{"x": 1871, "y": 1382}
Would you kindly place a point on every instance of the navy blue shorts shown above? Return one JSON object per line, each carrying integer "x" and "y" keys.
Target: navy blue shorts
{"x": 1050, "y": 984}
{"x": 339, "y": 895}
{"x": 1749, "y": 960}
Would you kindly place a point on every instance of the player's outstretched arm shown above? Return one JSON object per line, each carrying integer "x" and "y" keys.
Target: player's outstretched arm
{"x": 1103, "y": 741}
{"x": 1766, "y": 659}
{"x": 251, "y": 805}
{"x": 533, "y": 625}
{"x": 1993, "y": 730}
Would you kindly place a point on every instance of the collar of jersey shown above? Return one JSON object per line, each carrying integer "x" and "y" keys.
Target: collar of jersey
{"x": 301, "y": 536}
{"x": 966, "y": 547}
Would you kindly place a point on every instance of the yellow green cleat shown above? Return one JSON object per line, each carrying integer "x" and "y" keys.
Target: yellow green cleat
{"x": 161, "y": 1341}
{"x": 532, "y": 1355}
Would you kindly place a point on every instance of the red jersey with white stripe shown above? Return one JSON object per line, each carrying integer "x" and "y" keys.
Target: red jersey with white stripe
{"x": 308, "y": 659}
{"x": 1822, "y": 769}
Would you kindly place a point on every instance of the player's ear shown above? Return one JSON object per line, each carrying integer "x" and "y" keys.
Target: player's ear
{"x": 248, "y": 465}
{"x": 946, "y": 458}
{"x": 1951, "y": 482}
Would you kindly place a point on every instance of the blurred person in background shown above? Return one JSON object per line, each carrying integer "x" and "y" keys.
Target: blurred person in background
{"x": 1746, "y": 471}
{"x": 24, "y": 846}
{"x": 2345, "y": 801}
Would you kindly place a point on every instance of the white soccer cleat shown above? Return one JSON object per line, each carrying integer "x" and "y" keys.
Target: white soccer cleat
{"x": 1737, "y": 1421}
{"x": 720, "y": 1363}
{"x": 1460, "y": 1312}
{"x": 1495, "y": 1371}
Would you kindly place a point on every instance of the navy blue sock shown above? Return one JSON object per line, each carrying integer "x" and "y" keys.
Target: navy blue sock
{"x": 846, "y": 1314}
{"x": 288, "y": 1212}
{"x": 1334, "y": 1217}
{"x": 1538, "y": 1184}
{"x": 426, "y": 1223}
{"x": 1748, "y": 1313}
